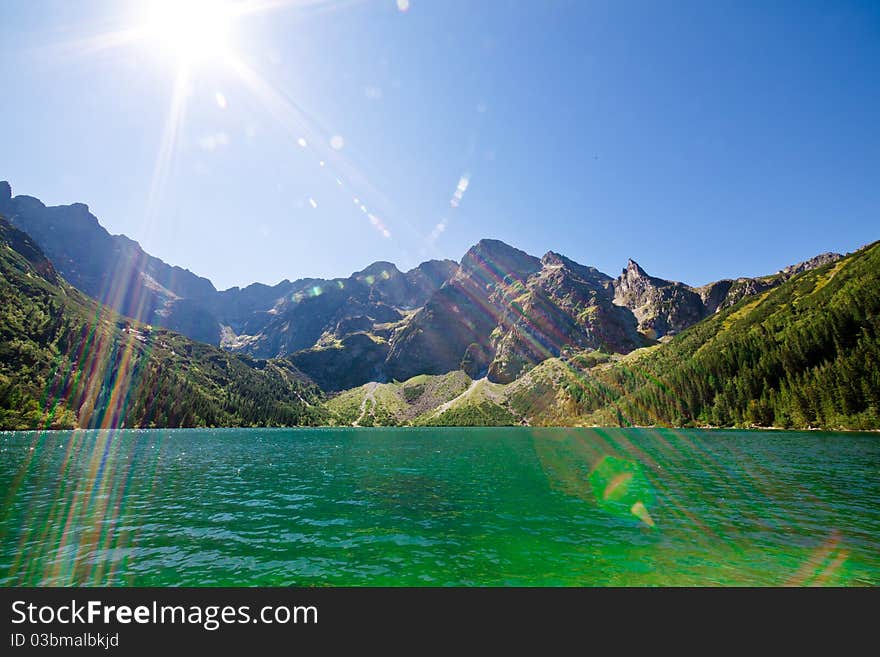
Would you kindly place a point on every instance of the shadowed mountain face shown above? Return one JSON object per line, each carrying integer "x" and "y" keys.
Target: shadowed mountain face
{"x": 368, "y": 300}
{"x": 497, "y": 314}
{"x": 110, "y": 268}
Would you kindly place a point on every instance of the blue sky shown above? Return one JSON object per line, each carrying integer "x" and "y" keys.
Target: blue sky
{"x": 703, "y": 139}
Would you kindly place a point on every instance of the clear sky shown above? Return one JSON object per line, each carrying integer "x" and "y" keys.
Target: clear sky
{"x": 703, "y": 139}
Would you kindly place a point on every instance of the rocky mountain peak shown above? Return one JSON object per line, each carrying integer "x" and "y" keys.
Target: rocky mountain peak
{"x": 635, "y": 279}
{"x": 634, "y": 270}
{"x": 556, "y": 262}
{"x": 495, "y": 259}
{"x": 27, "y": 204}
{"x": 5, "y": 191}
{"x": 553, "y": 259}
{"x": 430, "y": 275}
{"x": 378, "y": 268}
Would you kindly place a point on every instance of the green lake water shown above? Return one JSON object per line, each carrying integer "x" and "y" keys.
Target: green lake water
{"x": 411, "y": 507}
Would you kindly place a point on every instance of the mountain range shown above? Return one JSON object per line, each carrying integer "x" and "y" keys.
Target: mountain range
{"x": 497, "y": 313}
{"x": 498, "y": 326}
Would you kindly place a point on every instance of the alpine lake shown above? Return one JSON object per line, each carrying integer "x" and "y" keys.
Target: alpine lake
{"x": 512, "y": 506}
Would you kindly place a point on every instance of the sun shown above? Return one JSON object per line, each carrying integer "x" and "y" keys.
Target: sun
{"x": 190, "y": 31}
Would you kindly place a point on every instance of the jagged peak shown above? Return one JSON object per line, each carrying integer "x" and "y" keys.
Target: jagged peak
{"x": 5, "y": 190}
{"x": 555, "y": 258}
{"x": 633, "y": 273}
{"x": 78, "y": 211}
{"x": 633, "y": 269}
{"x": 81, "y": 212}
{"x": 260, "y": 287}
{"x": 552, "y": 258}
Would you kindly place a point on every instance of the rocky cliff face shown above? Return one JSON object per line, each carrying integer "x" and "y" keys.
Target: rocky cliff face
{"x": 661, "y": 307}
{"x": 453, "y": 330}
{"x": 564, "y": 307}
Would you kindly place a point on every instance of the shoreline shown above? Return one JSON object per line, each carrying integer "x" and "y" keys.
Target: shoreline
{"x": 347, "y": 427}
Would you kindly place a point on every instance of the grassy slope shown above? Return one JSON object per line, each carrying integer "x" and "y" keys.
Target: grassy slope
{"x": 397, "y": 403}
{"x": 68, "y": 361}
{"x": 482, "y": 403}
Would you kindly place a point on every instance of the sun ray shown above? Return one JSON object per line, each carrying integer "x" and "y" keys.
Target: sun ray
{"x": 309, "y": 132}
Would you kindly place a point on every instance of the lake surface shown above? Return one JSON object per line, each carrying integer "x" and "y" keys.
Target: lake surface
{"x": 486, "y": 506}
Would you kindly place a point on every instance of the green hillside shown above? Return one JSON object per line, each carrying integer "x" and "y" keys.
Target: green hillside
{"x": 804, "y": 354}
{"x": 67, "y": 361}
